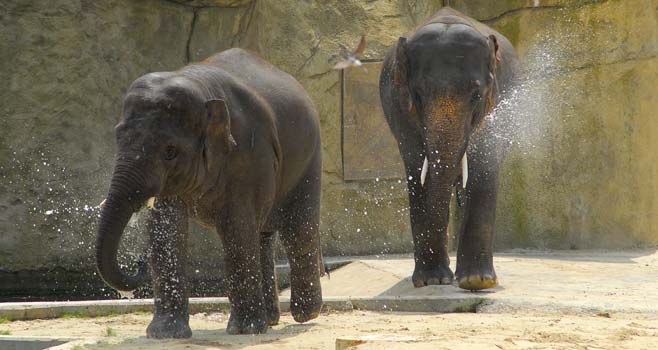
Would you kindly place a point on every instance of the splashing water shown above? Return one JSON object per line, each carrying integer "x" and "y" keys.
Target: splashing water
{"x": 127, "y": 294}
{"x": 523, "y": 117}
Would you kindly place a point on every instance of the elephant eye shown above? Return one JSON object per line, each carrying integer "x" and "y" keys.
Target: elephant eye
{"x": 170, "y": 153}
{"x": 476, "y": 96}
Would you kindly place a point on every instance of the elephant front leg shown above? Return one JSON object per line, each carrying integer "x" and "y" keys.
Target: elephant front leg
{"x": 167, "y": 225}
{"x": 475, "y": 269}
{"x": 429, "y": 223}
{"x": 243, "y": 262}
{"x": 270, "y": 288}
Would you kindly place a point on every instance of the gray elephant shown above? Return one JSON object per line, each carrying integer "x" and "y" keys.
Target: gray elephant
{"x": 234, "y": 143}
{"x": 436, "y": 86}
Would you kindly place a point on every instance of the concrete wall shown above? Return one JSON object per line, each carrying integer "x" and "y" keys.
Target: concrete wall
{"x": 582, "y": 173}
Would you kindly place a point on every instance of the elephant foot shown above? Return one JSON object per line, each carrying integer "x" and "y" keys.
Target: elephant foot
{"x": 306, "y": 306}
{"x": 244, "y": 323}
{"x": 432, "y": 276}
{"x": 169, "y": 327}
{"x": 273, "y": 317}
{"x": 477, "y": 275}
{"x": 272, "y": 310}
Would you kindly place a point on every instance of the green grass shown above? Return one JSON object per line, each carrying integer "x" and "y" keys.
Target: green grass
{"x": 4, "y": 320}
{"x": 67, "y": 315}
{"x": 4, "y": 332}
{"x": 78, "y": 347}
{"x": 109, "y": 332}
{"x": 142, "y": 313}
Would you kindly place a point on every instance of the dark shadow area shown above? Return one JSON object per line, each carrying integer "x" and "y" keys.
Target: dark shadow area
{"x": 406, "y": 288}
{"x": 64, "y": 285}
{"x": 12, "y": 343}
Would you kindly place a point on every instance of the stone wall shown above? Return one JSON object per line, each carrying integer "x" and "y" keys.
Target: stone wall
{"x": 582, "y": 172}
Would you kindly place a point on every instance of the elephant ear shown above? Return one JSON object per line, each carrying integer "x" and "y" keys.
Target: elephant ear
{"x": 494, "y": 43}
{"x": 219, "y": 140}
{"x": 495, "y": 59}
{"x": 401, "y": 75}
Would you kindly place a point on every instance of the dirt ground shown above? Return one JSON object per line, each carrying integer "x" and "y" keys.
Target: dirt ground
{"x": 547, "y": 300}
{"x": 526, "y": 330}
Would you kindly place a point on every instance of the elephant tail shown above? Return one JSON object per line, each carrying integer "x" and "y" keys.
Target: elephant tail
{"x": 324, "y": 268}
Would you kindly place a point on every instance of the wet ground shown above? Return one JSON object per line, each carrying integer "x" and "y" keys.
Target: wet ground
{"x": 562, "y": 300}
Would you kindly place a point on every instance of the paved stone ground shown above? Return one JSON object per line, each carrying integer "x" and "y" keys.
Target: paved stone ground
{"x": 573, "y": 281}
{"x": 557, "y": 300}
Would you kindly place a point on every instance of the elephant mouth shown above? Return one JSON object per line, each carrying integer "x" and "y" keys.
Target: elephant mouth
{"x": 464, "y": 170}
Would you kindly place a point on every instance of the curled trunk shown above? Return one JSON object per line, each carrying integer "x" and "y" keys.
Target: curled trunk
{"x": 123, "y": 200}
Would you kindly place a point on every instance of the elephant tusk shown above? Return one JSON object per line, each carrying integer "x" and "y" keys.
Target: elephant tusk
{"x": 423, "y": 172}
{"x": 464, "y": 170}
{"x": 102, "y": 203}
{"x": 151, "y": 203}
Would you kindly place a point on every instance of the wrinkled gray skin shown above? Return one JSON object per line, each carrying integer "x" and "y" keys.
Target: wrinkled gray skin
{"x": 234, "y": 143}
{"x": 437, "y": 84}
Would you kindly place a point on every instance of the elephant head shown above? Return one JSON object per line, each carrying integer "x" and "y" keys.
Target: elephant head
{"x": 172, "y": 140}
{"x": 445, "y": 76}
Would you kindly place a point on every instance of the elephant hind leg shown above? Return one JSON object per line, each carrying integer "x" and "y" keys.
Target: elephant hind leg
{"x": 270, "y": 287}
{"x": 299, "y": 230}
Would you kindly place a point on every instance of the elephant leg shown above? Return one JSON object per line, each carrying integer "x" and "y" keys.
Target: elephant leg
{"x": 475, "y": 268}
{"x": 167, "y": 225}
{"x": 428, "y": 221}
{"x": 270, "y": 287}
{"x": 300, "y": 234}
{"x": 243, "y": 261}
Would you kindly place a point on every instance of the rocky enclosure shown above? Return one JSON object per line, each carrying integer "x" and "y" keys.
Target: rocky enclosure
{"x": 582, "y": 173}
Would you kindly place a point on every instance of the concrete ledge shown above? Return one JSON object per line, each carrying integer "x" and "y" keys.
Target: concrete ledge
{"x": 30, "y": 343}
{"x": 440, "y": 304}
{"x": 43, "y": 310}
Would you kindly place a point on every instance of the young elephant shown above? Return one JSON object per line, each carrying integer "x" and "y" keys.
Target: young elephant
{"x": 436, "y": 86}
{"x": 234, "y": 143}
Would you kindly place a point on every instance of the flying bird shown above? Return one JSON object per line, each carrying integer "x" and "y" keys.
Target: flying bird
{"x": 353, "y": 59}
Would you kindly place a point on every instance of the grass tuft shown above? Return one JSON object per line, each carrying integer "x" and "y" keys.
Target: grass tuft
{"x": 5, "y": 332}
{"x": 67, "y": 315}
{"x": 4, "y": 320}
{"x": 109, "y": 332}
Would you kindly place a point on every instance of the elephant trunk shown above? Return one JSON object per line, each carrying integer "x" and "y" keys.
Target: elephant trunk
{"x": 446, "y": 139}
{"x": 125, "y": 197}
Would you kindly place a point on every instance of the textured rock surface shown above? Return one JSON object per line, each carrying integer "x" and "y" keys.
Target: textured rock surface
{"x": 65, "y": 67}
{"x": 215, "y": 3}
{"x": 582, "y": 173}
{"x": 588, "y": 179}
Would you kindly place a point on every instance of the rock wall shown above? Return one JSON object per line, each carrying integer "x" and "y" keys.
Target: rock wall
{"x": 582, "y": 171}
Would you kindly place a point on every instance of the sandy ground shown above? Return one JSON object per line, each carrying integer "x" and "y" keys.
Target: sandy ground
{"x": 530, "y": 330}
{"x": 558, "y": 300}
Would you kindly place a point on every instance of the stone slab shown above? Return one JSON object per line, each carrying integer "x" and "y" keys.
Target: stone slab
{"x": 583, "y": 282}
{"x": 369, "y": 149}
{"x": 561, "y": 281}
{"x": 46, "y": 310}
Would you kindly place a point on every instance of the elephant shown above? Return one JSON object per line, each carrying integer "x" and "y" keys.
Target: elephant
{"x": 437, "y": 85}
{"x": 233, "y": 143}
